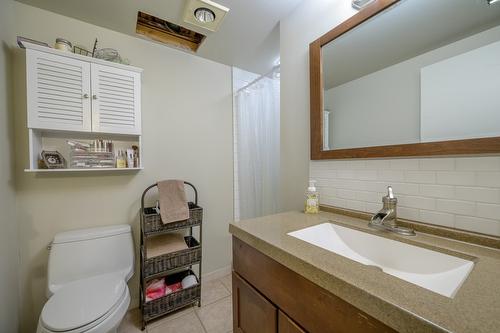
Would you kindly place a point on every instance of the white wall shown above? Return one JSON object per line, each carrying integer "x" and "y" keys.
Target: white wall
{"x": 458, "y": 192}
{"x": 9, "y": 255}
{"x": 307, "y": 22}
{"x": 390, "y": 112}
{"x": 187, "y": 134}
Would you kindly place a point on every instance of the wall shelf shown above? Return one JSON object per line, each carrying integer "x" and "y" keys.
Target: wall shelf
{"x": 82, "y": 170}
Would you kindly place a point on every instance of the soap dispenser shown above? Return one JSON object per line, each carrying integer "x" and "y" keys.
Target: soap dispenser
{"x": 312, "y": 199}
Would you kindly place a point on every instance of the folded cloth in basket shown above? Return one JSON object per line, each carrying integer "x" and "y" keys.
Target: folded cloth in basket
{"x": 163, "y": 244}
{"x": 173, "y": 203}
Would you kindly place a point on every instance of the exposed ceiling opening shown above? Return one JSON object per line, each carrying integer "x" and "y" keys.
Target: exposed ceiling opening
{"x": 168, "y": 33}
{"x": 247, "y": 38}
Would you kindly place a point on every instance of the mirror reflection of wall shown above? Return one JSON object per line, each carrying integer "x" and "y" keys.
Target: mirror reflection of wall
{"x": 430, "y": 75}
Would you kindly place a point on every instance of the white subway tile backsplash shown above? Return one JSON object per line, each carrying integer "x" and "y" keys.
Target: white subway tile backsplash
{"x": 367, "y": 175}
{"x": 437, "y": 191}
{"x": 421, "y": 177}
{"x": 377, "y": 164}
{"x": 479, "y": 194}
{"x": 405, "y": 188}
{"x": 332, "y": 201}
{"x": 408, "y": 213}
{"x": 455, "y": 178}
{"x": 346, "y": 174}
{"x": 355, "y": 205}
{"x": 346, "y": 194}
{"x": 488, "y": 179}
{"x": 489, "y": 211}
{"x": 371, "y": 197}
{"x": 463, "y": 192}
{"x": 405, "y": 164}
{"x": 456, "y": 207}
{"x": 437, "y": 164}
{"x": 417, "y": 202}
{"x": 327, "y": 191}
{"x": 433, "y": 217}
{"x": 485, "y": 226}
{"x": 478, "y": 164}
{"x": 372, "y": 207}
{"x": 391, "y": 175}
{"x": 357, "y": 165}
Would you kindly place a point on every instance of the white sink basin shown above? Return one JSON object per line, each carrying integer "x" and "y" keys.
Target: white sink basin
{"x": 435, "y": 271}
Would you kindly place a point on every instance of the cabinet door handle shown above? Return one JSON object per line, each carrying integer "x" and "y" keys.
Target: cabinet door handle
{"x": 94, "y": 96}
{"x": 85, "y": 96}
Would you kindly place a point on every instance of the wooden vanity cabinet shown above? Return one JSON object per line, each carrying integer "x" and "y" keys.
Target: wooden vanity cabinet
{"x": 287, "y": 325}
{"x": 269, "y": 297}
{"x": 252, "y": 312}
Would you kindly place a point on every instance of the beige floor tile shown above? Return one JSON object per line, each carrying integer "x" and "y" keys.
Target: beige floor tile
{"x": 217, "y": 317}
{"x": 171, "y": 316}
{"x": 187, "y": 323}
{"x": 227, "y": 282}
{"x": 212, "y": 291}
{"x": 131, "y": 323}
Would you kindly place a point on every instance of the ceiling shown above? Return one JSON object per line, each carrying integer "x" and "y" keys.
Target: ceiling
{"x": 248, "y": 37}
{"x": 404, "y": 31}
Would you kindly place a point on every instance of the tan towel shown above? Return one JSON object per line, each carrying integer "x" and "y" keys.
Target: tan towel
{"x": 173, "y": 204}
{"x": 164, "y": 244}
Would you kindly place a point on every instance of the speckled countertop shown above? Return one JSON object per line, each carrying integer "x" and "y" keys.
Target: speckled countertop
{"x": 399, "y": 304}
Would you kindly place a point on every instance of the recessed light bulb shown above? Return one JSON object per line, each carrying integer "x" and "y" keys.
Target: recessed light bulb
{"x": 204, "y": 15}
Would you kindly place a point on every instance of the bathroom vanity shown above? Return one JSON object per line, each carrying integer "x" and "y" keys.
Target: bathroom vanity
{"x": 284, "y": 284}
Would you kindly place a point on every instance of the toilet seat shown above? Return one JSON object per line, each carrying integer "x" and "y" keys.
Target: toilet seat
{"x": 83, "y": 304}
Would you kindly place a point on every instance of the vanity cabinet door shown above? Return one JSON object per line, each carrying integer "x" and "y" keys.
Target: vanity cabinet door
{"x": 116, "y": 100}
{"x": 252, "y": 313}
{"x": 58, "y": 92}
{"x": 287, "y": 325}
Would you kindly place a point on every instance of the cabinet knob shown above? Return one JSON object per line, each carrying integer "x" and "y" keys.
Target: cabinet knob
{"x": 94, "y": 96}
{"x": 85, "y": 95}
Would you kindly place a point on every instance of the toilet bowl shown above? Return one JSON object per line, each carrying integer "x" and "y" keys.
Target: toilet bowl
{"x": 87, "y": 292}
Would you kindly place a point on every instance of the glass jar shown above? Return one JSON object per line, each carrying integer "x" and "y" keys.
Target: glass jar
{"x": 63, "y": 45}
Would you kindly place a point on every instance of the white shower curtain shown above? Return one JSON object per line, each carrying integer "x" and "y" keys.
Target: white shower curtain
{"x": 257, "y": 110}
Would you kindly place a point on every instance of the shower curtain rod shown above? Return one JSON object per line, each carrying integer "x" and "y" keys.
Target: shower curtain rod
{"x": 259, "y": 78}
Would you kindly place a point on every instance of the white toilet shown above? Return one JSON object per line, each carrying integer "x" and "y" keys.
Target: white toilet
{"x": 87, "y": 280}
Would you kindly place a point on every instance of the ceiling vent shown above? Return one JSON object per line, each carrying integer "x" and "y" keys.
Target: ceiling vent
{"x": 205, "y": 14}
{"x": 168, "y": 33}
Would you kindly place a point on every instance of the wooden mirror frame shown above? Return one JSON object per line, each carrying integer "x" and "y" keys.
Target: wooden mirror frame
{"x": 452, "y": 147}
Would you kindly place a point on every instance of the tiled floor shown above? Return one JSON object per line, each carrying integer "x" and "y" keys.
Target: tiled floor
{"x": 214, "y": 316}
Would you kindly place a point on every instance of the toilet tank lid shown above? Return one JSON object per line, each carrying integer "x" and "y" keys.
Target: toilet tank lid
{"x": 90, "y": 233}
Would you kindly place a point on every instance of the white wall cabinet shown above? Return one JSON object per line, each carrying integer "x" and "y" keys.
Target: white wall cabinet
{"x": 70, "y": 94}
{"x": 116, "y": 100}
{"x": 58, "y": 90}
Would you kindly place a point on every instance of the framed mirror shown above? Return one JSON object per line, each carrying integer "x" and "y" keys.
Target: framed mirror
{"x": 408, "y": 78}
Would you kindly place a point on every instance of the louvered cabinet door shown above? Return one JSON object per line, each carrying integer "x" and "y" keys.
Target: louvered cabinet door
{"x": 58, "y": 92}
{"x": 116, "y": 100}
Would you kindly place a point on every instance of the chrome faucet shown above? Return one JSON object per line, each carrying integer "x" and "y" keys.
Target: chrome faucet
{"x": 386, "y": 218}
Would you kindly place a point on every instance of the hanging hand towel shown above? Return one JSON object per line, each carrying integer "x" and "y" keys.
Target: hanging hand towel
{"x": 173, "y": 204}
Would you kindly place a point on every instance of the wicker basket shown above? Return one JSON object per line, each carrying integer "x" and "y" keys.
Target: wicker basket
{"x": 173, "y": 301}
{"x": 174, "y": 260}
{"x": 154, "y": 225}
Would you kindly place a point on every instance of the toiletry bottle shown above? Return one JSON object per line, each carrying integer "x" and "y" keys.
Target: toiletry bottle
{"x": 121, "y": 161}
{"x": 312, "y": 199}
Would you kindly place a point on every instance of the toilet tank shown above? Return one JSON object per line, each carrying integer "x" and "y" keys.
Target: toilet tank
{"x": 90, "y": 252}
